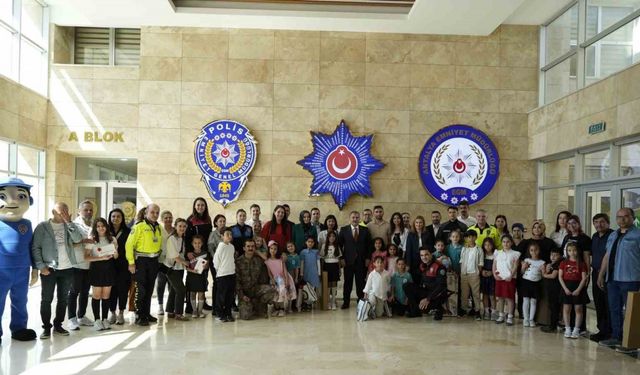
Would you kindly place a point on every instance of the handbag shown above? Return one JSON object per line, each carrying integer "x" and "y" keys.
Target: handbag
{"x": 309, "y": 295}
{"x": 363, "y": 310}
{"x": 132, "y": 296}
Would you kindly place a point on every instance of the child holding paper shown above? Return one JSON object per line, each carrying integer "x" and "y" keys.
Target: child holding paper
{"x": 101, "y": 271}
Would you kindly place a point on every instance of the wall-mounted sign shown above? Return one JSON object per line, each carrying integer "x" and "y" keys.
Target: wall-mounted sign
{"x": 459, "y": 163}
{"x": 597, "y": 128}
{"x": 97, "y": 137}
{"x": 225, "y": 152}
{"x": 341, "y": 164}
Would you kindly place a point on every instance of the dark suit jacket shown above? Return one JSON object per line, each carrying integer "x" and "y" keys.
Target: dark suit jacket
{"x": 435, "y": 236}
{"x": 355, "y": 251}
{"x": 412, "y": 252}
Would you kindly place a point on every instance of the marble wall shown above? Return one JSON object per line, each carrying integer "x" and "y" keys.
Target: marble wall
{"x": 282, "y": 84}
{"x": 563, "y": 125}
{"x": 23, "y": 114}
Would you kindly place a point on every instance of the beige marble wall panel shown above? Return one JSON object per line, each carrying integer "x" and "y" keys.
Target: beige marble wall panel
{"x": 432, "y": 53}
{"x": 290, "y": 188}
{"x": 291, "y": 143}
{"x": 168, "y": 162}
{"x": 159, "y": 186}
{"x": 480, "y": 54}
{"x": 160, "y": 92}
{"x": 342, "y": 73}
{"x": 31, "y": 105}
{"x": 330, "y": 118}
{"x": 204, "y": 69}
{"x": 296, "y": 72}
{"x": 300, "y": 48}
{"x": 628, "y": 118}
{"x": 341, "y": 97}
{"x": 517, "y": 101}
{"x": 341, "y": 49}
{"x": 161, "y": 44}
{"x": 254, "y": 71}
{"x": 429, "y": 122}
{"x": 513, "y": 78}
{"x": 388, "y": 75}
{"x": 389, "y": 122}
{"x": 115, "y": 91}
{"x": 294, "y": 170}
{"x": 295, "y": 119}
{"x": 115, "y": 115}
{"x": 295, "y": 95}
{"x": 429, "y": 99}
{"x": 159, "y": 116}
{"x": 387, "y": 98}
{"x": 388, "y": 51}
{"x": 255, "y": 118}
{"x": 205, "y": 93}
{"x": 196, "y": 116}
{"x": 116, "y": 72}
{"x": 250, "y": 94}
{"x": 251, "y": 47}
{"x": 477, "y": 77}
{"x": 519, "y": 55}
{"x": 205, "y": 45}
{"x": 9, "y": 124}
{"x": 436, "y": 76}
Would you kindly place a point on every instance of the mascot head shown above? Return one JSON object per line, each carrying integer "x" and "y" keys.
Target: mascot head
{"x": 15, "y": 198}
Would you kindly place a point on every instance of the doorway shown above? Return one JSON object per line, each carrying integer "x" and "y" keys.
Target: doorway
{"x": 607, "y": 198}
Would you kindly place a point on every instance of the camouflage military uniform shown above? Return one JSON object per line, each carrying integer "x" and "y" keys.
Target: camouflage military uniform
{"x": 253, "y": 282}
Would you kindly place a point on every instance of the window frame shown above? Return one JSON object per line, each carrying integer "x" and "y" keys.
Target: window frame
{"x": 15, "y": 28}
{"x": 111, "y": 46}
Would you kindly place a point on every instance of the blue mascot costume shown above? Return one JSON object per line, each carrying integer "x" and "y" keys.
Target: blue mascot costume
{"x": 15, "y": 255}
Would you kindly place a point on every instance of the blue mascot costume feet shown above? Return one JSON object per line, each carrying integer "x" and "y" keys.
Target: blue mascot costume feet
{"x": 15, "y": 255}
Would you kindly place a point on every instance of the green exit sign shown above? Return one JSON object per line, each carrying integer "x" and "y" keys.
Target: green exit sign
{"x": 597, "y": 128}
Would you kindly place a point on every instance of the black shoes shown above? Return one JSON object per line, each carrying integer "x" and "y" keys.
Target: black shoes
{"x": 58, "y": 330}
{"x": 152, "y": 319}
{"x": 207, "y": 306}
{"x": 597, "y": 337}
{"x": 344, "y": 306}
{"x": 143, "y": 322}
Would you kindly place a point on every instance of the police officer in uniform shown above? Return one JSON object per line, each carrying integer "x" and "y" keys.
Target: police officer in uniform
{"x": 430, "y": 291}
{"x": 143, "y": 249}
{"x": 254, "y": 291}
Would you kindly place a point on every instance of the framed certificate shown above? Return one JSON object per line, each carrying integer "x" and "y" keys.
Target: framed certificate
{"x": 103, "y": 250}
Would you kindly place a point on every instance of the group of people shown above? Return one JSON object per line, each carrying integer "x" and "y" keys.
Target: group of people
{"x": 403, "y": 267}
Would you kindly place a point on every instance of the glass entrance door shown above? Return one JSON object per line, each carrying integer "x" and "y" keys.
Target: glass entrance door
{"x": 107, "y": 195}
{"x": 630, "y": 197}
{"x": 597, "y": 201}
{"x": 94, "y": 192}
{"x": 607, "y": 198}
{"x": 122, "y": 195}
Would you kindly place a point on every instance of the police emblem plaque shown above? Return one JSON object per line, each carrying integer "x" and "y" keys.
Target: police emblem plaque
{"x": 341, "y": 164}
{"x": 459, "y": 163}
{"x": 225, "y": 152}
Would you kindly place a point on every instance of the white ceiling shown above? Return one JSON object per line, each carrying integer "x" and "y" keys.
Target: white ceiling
{"x": 462, "y": 17}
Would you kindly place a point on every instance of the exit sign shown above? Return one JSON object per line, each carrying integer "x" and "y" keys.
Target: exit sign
{"x": 597, "y": 128}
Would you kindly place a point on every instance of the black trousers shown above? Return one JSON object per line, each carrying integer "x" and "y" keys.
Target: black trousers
{"x": 602, "y": 306}
{"x": 177, "y": 290}
{"x": 120, "y": 289}
{"x": 146, "y": 273}
{"x": 359, "y": 272}
{"x": 226, "y": 288}
{"x": 415, "y": 293}
{"x": 60, "y": 281}
{"x": 553, "y": 301}
{"x": 161, "y": 284}
{"x": 79, "y": 293}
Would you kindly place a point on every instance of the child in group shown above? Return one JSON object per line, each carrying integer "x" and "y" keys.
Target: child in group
{"x": 261, "y": 248}
{"x": 225, "y": 265}
{"x": 293, "y": 267}
{"x": 331, "y": 255}
{"x": 398, "y": 279}
{"x": 197, "y": 282}
{"x": 392, "y": 259}
{"x": 471, "y": 262}
{"x": 532, "y": 269}
{"x": 101, "y": 271}
{"x": 378, "y": 251}
{"x": 573, "y": 279}
{"x": 309, "y": 268}
{"x": 505, "y": 271}
{"x": 280, "y": 279}
{"x": 440, "y": 254}
{"x": 454, "y": 249}
{"x": 487, "y": 282}
{"x": 376, "y": 291}
{"x": 552, "y": 290}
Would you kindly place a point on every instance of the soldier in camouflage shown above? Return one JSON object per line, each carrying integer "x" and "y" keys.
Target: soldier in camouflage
{"x": 254, "y": 290}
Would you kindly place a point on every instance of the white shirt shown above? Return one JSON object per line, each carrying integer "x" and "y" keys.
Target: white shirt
{"x": 506, "y": 262}
{"x": 468, "y": 221}
{"x": 163, "y": 247}
{"x": 223, "y": 260}
{"x": 330, "y": 256}
{"x": 80, "y": 248}
{"x": 559, "y": 236}
{"x": 63, "y": 258}
{"x": 470, "y": 259}
{"x": 534, "y": 272}
{"x": 174, "y": 249}
{"x": 378, "y": 284}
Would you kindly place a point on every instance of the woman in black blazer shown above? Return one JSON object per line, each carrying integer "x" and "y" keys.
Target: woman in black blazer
{"x": 417, "y": 238}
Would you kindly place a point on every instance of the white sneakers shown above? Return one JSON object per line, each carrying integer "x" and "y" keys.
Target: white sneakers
{"x": 525, "y": 323}
{"x": 112, "y": 318}
{"x": 120, "y": 318}
{"x": 84, "y": 321}
{"x": 160, "y": 309}
{"x": 73, "y": 324}
{"x": 572, "y": 334}
{"x": 105, "y": 324}
{"x": 509, "y": 320}
{"x": 98, "y": 325}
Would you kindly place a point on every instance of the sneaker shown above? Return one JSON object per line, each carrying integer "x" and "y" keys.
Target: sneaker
{"x": 171, "y": 315}
{"x": 120, "y": 318}
{"x": 112, "y": 318}
{"x": 625, "y": 350}
{"x": 548, "y": 329}
{"x": 230, "y": 319}
{"x": 194, "y": 316}
{"x": 567, "y": 332}
{"x": 585, "y": 333}
{"x": 45, "y": 334}
{"x": 207, "y": 306}
{"x": 98, "y": 325}
{"x": 610, "y": 343}
{"x": 220, "y": 318}
{"x": 160, "y": 310}
{"x": 500, "y": 319}
{"x": 152, "y": 319}
{"x": 84, "y": 321}
{"x": 281, "y": 313}
{"x": 106, "y": 324}
{"x": 532, "y": 324}
{"x": 525, "y": 323}
{"x": 181, "y": 318}
{"x": 494, "y": 315}
{"x": 478, "y": 317}
{"x": 60, "y": 331}
{"x": 143, "y": 322}
{"x": 597, "y": 337}
{"x": 576, "y": 333}
{"x": 510, "y": 320}
{"x": 202, "y": 315}
{"x": 73, "y": 324}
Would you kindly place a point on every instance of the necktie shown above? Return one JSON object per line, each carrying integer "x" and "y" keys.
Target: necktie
{"x": 355, "y": 233}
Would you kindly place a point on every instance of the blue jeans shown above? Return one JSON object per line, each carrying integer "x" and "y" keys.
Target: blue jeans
{"x": 617, "y": 295}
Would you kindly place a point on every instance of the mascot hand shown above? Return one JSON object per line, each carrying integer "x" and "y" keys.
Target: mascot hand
{"x": 34, "y": 277}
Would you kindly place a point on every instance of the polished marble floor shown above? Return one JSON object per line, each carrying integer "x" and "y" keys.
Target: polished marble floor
{"x": 320, "y": 342}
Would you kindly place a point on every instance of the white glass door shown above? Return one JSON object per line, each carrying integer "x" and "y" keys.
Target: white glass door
{"x": 94, "y": 191}
{"x": 122, "y": 195}
{"x": 630, "y": 197}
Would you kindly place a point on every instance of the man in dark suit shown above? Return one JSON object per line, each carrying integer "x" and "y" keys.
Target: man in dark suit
{"x": 452, "y": 224}
{"x": 434, "y": 231}
{"x": 356, "y": 250}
